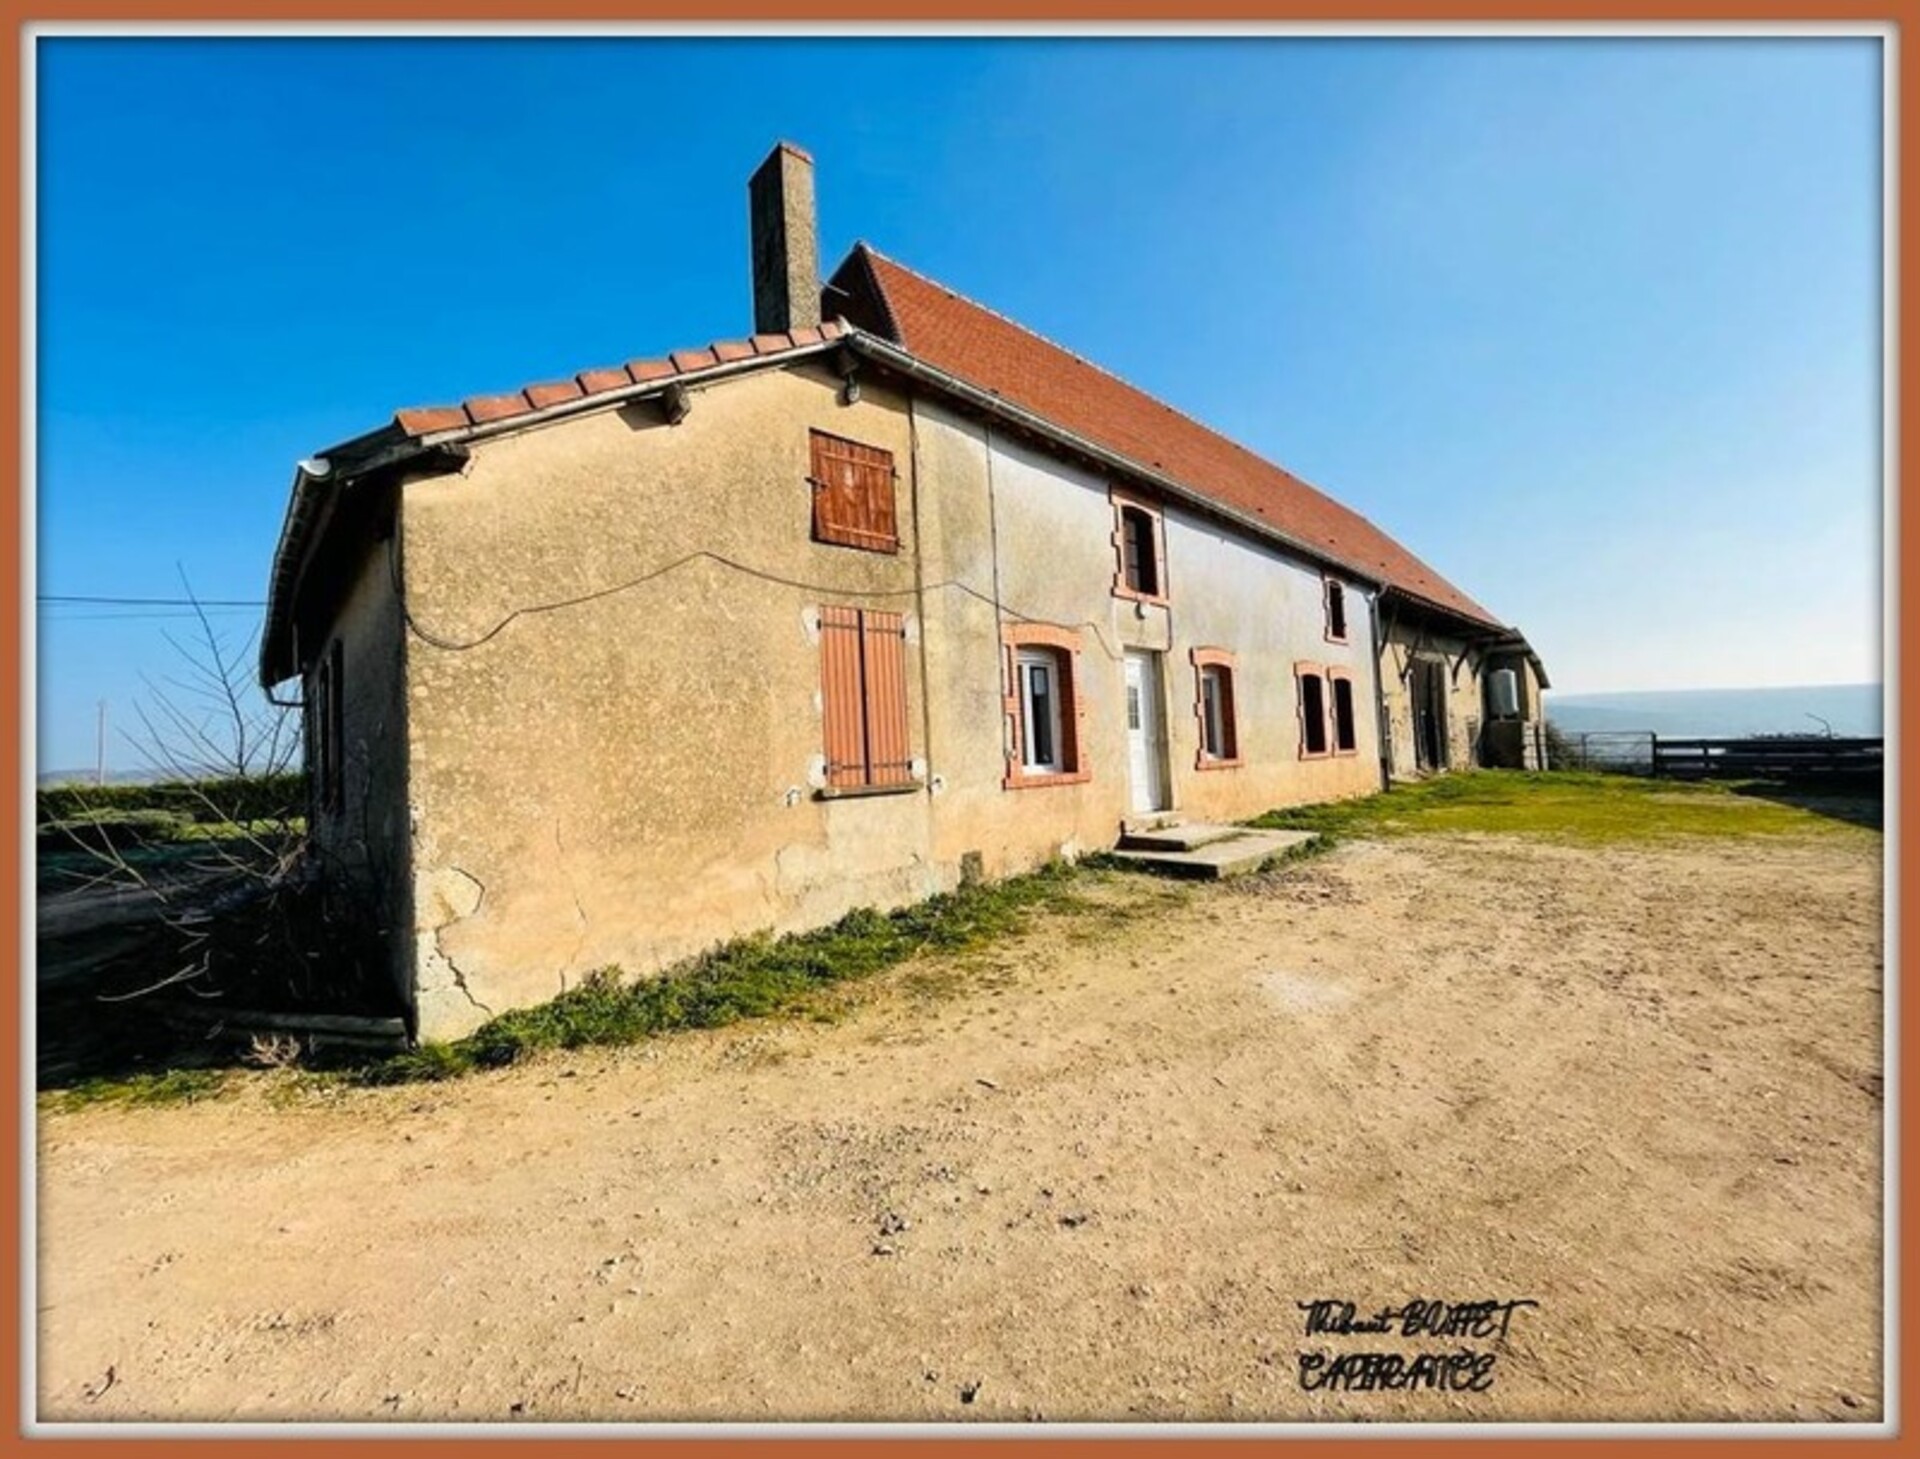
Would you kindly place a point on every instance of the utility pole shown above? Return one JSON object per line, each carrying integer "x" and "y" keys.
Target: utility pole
{"x": 100, "y": 748}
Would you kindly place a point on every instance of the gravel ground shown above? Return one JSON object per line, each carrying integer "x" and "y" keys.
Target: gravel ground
{"x": 1091, "y": 1174}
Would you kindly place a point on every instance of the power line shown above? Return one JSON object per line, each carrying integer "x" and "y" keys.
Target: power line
{"x": 156, "y": 602}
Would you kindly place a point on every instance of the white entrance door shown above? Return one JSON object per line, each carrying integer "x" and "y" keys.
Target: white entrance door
{"x": 1146, "y": 748}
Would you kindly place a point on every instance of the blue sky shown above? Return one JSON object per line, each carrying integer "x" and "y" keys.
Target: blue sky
{"x": 1591, "y": 325}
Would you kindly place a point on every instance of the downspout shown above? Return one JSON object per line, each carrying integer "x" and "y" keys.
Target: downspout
{"x": 1008, "y": 681}
{"x": 1384, "y": 728}
{"x": 920, "y": 587}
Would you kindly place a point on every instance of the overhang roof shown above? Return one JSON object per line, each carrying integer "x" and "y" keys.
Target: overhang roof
{"x": 975, "y": 344}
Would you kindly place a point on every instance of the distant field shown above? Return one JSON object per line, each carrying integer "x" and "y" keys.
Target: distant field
{"x": 1849, "y": 709}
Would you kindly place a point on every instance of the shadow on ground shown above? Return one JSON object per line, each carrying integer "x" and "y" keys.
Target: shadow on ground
{"x": 1857, "y": 802}
{"x": 181, "y": 972}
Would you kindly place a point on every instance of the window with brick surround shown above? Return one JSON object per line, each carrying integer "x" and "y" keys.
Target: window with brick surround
{"x": 1336, "y": 601}
{"x": 863, "y": 698}
{"x": 852, "y": 494}
{"x": 1045, "y": 706}
{"x": 1215, "y": 710}
{"x": 1340, "y": 685}
{"x": 1311, "y": 682}
{"x": 1140, "y": 549}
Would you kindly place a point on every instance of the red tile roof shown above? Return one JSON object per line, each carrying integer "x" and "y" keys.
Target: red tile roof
{"x": 486, "y": 409}
{"x": 987, "y": 350}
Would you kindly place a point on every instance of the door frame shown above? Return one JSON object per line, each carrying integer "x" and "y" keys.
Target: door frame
{"x": 1153, "y": 694}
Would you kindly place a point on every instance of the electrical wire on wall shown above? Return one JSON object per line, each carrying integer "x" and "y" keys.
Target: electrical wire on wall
{"x": 439, "y": 641}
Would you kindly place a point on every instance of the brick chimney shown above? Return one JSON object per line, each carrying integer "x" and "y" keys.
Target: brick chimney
{"x": 786, "y": 246}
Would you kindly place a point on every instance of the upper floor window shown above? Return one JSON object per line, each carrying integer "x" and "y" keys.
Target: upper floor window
{"x": 1140, "y": 552}
{"x": 853, "y": 494}
{"x": 1336, "y": 611}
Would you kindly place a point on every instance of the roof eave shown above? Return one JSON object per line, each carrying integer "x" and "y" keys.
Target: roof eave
{"x": 392, "y": 447}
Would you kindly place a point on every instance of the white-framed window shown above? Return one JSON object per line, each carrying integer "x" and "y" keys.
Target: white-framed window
{"x": 1215, "y": 716}
{"x": 1041, "y": 746}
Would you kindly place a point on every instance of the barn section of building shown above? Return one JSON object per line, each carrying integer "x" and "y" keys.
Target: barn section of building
{"x": 606, "y": 670}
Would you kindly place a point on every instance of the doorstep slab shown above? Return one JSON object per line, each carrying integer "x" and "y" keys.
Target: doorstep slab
{"x": 1228, "y": 856}
{"x": 1178, "y": 837}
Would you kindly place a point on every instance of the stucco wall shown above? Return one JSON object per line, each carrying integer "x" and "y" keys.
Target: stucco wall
{"x": 615, "y": 741}
{"x": 628, "y": 779}
{"x": 1053, "y": 524}
{"x": 1402, "y": 642}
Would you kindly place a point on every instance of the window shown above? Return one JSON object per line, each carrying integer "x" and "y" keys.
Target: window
{"x": 1140, "y": 553}
{"x": 1313, "y": 710}
{"x": 1214, "y": 708}
{"x": 1040, "y": 710}
{"x": 853, "y": 494}
{"x": 326, "y": 730}
{"x": 1344, "y": 741}
{"x": 1045, "y": 712}
{"x": 863, "y": 680}
{"x": 1138, "y": 564}
{"x": 1336, "y": 611}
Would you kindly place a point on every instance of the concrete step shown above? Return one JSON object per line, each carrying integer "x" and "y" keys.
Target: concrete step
{"x": 1227, "y": 856}
{"x": 1178, "y": 836}
{"x": 1149, "y": 821}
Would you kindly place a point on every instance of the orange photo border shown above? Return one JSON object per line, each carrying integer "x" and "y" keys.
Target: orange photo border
{"x": 1904, "y": 142}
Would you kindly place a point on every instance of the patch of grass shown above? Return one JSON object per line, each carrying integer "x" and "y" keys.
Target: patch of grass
{"x": 1568, "y": 805}
{"x": 749, "y": 978}
{"x": 171, "y": 1086}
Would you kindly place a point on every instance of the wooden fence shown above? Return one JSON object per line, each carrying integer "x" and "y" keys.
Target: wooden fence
{"x": 1822, "y": 758}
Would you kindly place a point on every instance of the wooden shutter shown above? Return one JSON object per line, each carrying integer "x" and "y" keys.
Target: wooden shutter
{"x": 841, "y": 698}
{"x": 853, "y": 494}
{"x": 863, "y": 682}
{"x": 884, "y": 661}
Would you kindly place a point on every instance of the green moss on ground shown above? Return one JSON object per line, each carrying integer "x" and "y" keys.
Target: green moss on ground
{"x": 168, "y": 1086}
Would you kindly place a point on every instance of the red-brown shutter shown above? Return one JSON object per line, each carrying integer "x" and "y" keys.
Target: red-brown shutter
{"x": 853, "y": 494}
{"x": 841, "y": 698}
{"x": 884, "y": 659}
{"x": 863, "y": 683}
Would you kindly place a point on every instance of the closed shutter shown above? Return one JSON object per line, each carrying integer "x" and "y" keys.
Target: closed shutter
{"x": 883, "y": 646}
{"x": 841, "y": 698}
{"x": 853, "y": 494}
{"x": 863, "y": 681}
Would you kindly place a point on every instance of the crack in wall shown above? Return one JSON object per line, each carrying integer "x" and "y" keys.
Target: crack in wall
{"x": 573, "y": 891}
{"x": 454, "y": 915}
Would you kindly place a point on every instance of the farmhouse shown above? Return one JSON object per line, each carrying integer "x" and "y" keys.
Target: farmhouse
{"x": 890, "y": 594}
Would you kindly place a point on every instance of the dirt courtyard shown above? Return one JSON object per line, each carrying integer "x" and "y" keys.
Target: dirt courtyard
{"x": 1093, "y": 1173}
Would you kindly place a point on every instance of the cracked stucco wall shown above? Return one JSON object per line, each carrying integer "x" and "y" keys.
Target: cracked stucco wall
{"x": 629, "y": 780}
